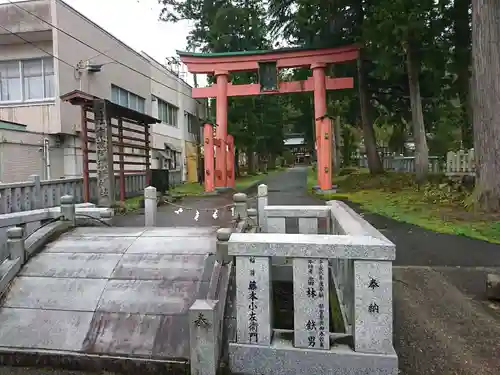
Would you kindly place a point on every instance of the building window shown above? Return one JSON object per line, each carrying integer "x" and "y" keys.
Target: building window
{"x": 192, "y": 124}
{"x": 27, "y": 80}
{"x": 127, "y": 99}
{"x": 167, "y": 113}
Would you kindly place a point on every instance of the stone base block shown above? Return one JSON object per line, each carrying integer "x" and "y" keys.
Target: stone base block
{"x": 222, "y": 189}
{"x": 282, "y": 358}
{"x": 326, "y": 192}
{"x": 493, "y": 287}
{"x": 210, "y": 193}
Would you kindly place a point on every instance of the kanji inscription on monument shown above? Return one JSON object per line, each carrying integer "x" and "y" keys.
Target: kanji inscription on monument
{"x": 311, "y": 317}
{"x": 253, "y": 300}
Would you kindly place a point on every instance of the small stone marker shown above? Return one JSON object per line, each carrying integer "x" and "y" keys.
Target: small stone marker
{"x": 311, "y": 307}
{"x": 203, "y": 337}
{"x": 253, "y": 303}
{"x": 372, "y": 328}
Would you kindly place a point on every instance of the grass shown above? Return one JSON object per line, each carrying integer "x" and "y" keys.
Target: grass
{"x": 130, "y": 205}
{"x": 241, "y": 183}
{"x": 433, "y": 206}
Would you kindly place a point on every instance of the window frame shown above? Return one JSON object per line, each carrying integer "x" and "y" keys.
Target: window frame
{"x": 140, "y": 101}
{"x": 171, "y": 113}
{"x": 21, "y": 81}
{"x": 191, "y": 120}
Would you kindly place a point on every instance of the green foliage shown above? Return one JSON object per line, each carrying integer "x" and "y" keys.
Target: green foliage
{"x": 436, "y": 205}
{"x": 439, "y": 32}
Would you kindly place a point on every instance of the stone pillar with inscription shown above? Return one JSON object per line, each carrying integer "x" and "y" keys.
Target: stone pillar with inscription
{"x": 311, "y": 307}
{"x": 253, "y": 300}
{"x": 372, "y": 328}
{"x": 104, "y": 155}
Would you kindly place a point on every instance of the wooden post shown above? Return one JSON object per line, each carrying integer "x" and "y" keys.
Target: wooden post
{"x": 85, "y": 153}
{"x": 208, "y": 145}
{"x": 230, "y": 161}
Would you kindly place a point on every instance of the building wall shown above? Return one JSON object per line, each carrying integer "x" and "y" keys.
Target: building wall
{"x": 98, "y": 84}
{"x": 192, "y": 162}
{"x": 40, "y": 116}
{"x": 62, "y": 118}
{"x": 21, "y": 156}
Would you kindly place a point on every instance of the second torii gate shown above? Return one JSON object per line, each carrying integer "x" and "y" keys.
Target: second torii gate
{"x": 267, "y": 63}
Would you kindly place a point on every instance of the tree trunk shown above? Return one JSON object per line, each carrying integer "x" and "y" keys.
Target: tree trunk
{"x": 250, "y": 161}
{"x": 417, "y": 116}
{"x": 486, "y": 101}
{"x": 237, "y": 162}
{"x": 374, "y": 163}
{"x": 462, "y": 62}
{"x": 272, "y": 162}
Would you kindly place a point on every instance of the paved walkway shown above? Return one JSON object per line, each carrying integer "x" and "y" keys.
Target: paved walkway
{"x": 443, "y": 324}
{"x": 166, "y": 216}
{"x": 110, "y": 291}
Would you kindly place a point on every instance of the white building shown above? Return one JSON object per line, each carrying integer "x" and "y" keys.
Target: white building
{"x": 32, "y": 81}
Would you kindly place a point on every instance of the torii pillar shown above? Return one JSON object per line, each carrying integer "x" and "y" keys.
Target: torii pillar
{"x": 208, "y": 152}
{"x": 222, "y": 78}
{"x": 323, "y": 128}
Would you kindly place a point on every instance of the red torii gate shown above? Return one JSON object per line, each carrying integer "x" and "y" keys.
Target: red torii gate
{"x": 267, "y": 63}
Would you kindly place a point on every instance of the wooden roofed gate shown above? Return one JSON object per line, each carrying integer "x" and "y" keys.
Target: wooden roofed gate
{"x": 111, "y": 135}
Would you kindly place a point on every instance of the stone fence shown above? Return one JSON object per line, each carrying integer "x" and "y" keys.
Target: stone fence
{"x": 403, "y": 163}
{"x": 37, "y": 194}
{"x": 460, "y": 163}
{"x": 332, "y": 257}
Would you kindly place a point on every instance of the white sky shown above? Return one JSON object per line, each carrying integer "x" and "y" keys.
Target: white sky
{"x": 135, "y": 22}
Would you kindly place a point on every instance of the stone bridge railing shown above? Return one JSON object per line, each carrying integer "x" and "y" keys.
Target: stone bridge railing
{"x": 333, "y": 257}
{"x": 37, "y": 194}
{"x": 23, "y": 234}
{"x": 207, "y": 316}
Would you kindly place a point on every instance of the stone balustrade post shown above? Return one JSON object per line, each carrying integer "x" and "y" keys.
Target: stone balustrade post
{"x": 68, "y": 210}
{"x": 261, "y": 204}
{"x": 240, "y": 206}
{"x": 150, "y": 206}
{"x": 223, "y": 235}
{"x": 15, "y": 243}
{"x": 252, "y": 216}
{"x": 203, "y": 337}
{"x": 37, "y": 192}
{"x": 373, "y": 315}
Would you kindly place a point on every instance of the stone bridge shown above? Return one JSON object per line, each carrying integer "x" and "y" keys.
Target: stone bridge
{"x": 157, "y": 299}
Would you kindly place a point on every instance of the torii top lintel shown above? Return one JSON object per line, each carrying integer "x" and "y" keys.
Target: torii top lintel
{"x": 227, "y": 62}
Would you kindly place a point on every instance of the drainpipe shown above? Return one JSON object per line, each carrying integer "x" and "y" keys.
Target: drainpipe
{"x": 46, "y": 154}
